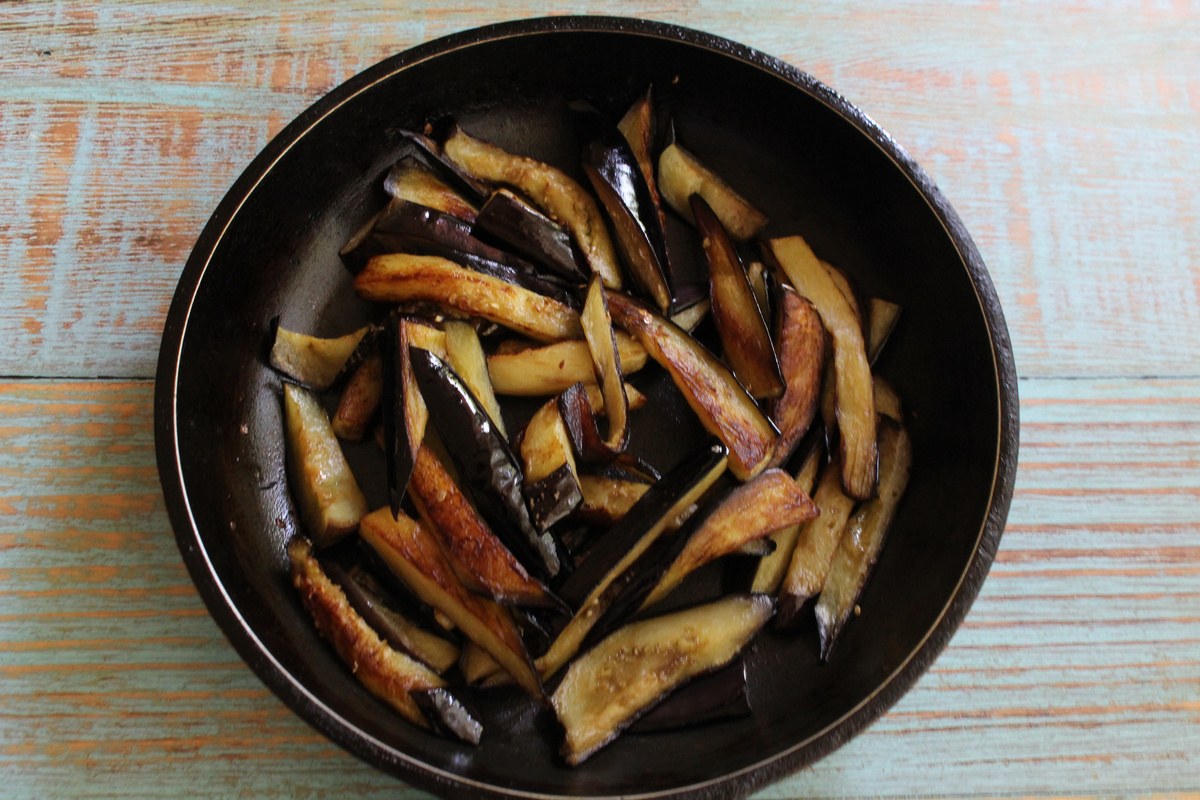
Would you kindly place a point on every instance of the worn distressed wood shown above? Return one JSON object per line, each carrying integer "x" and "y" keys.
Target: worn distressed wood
{"x": 1067, "y": 137}
{"x": 1078, "y": 668}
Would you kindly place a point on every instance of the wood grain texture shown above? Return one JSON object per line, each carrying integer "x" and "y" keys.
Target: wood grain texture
{"x": 1066, "y": 136}
{"x": 1078, "y": 668}
{"x": 1071, "y": 162}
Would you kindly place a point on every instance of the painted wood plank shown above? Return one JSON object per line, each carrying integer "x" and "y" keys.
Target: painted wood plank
{"x": 122, "y": 125}
{"x": 1077, "y": 671}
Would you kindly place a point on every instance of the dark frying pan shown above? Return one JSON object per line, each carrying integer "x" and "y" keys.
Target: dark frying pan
{"x": 813, "y": 162}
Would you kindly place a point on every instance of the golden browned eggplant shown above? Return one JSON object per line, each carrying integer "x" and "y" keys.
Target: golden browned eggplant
{"x": 768, "y": 503}
{"x": 800, "y": 339}
{"x": 711, "y": 390}
{"x": 360, "y": 400}
{"x": 612, "y": 168}
{"x": 386, "y": 673}
{"x": 771, "y": 568}
{"x": 745, "y": 341}
{"x": 416, "y": 557}
{"x": 464, "y": 354}
{"x": 606, "y": 499}
{"x": 607, "y": 688}
{"x": 401, "y": 277}
{"x": 508, "y": 219}
{"x": 855, "y": 398}
{"x": 816, "y": 545}
{"x": 864, "y": 536}
{"x": 558, "y": 195}
{"x": 331, "y": 504}
{"x": 552, "y": 369}
{"x": 410, "y": 181}
{"x": 311, "y": 360}
{"x": 681, "y": 175}
{"x": 393, "y": 627}
{"x": 606, "y": 360}
{"x": 588, "y": 587}
{"x": 487, "y": 566}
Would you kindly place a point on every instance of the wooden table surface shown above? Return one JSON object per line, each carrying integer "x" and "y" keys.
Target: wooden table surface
{"x": 1066, "y": 135}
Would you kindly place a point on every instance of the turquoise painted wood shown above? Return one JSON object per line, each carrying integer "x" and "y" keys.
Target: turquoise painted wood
{"x": 1067, "y": 137}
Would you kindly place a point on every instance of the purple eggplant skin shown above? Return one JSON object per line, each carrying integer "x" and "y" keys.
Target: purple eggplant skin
{"x": 505, "y": 218}
{"x": 553, "y": 497}
{"x": 658, "y": 500}
{"x": 429, "y": 153}
{"x": 589, "y": 446}
{"x": 486, "y": 464}
{"x": 449, "y": 713}
{"x": 715, "y": 697}
{"x": 639, "y": 580}
{"x": 613, "y": 169}
{"x": 413, "y": 228}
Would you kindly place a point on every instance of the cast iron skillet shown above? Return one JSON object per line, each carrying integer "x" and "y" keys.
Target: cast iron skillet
{"x": 813, "y": 162}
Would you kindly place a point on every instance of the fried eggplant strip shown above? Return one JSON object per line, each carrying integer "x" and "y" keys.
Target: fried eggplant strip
{"x": 554, "y": 368}
{"x": 400, "y": 277}
{"x": 852, "y": 372}
{"x": 773, "y": 567}
{"x": 484, "y": 559}
{"x": 386, "y": 673}
{"x": 417, "y": 559}
{"x": 626, "y": 674}
{"x": 800, "y": 339}
{"x": 331, "y": 504}
{"x": 864, "y": 537}
{"x": 681, "y": 175}
{"x": 552, "y": 190}
{"x": 712, "y": 391}
{"x": 817, "y": 543}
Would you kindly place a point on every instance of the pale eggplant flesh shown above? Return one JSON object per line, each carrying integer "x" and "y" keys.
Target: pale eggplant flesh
{"x": 331, "y": 502}
{"x": 602, "y": 344}
{"x": 508, "y": 219}
{"x": 486, "y": 464}
{"x": 718, "y": 696}
{"x": 864, "y": 537}
{"x": 621, "y": 678}
{"x": 431, "y": 154}
{"x": 613, "y": 170}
